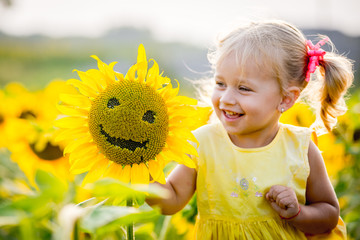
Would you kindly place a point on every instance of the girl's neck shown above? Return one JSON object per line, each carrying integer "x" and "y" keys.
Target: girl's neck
{"x": 256, "y": 139}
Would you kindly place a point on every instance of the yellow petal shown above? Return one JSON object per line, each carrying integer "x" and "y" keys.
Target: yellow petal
{"x": 81, "y": 165}
{"x": 88, "y": 80}
{"x": 141, "y": 71}
{"x": 180, "y": 145}
{"x": 152, "y": 77}
{"x": 72, "y": 111}
{"x": 102, "y": 80}
{"x": 156, "y": 171}
{"x": 106, "y": 70}
{"x": 97, "y": 170}
{"x": 83, "y": 88}
{"x": 71, "y": 134}
{"x": 114, "y": 171}
{"x": 86, "y": 149}
{"x": 139, "y": 174}
{"x": 180, "y": 158}
{"x": 180, "y": 100}
{"x": 142, "y": 63}
{"x": 130, "y": 75}
{"x": 75, "y": 143}
{"x": 125, "y": 174}
{"x": 76, "y": 100}
{"x": 183, "y": 133}
{"x": 119, "y": 76}
{"x": 71, "y": 122}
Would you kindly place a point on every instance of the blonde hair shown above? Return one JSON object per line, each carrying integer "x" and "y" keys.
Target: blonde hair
{"x": 280, "y": 48}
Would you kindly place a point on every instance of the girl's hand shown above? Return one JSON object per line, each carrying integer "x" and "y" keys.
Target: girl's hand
{"x": 283, "y": 200}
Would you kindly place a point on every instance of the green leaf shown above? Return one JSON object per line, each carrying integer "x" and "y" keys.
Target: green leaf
{"x": 51, "y": 186}
{"x": 109, "y": 187}
{"x": 110, "y": 217}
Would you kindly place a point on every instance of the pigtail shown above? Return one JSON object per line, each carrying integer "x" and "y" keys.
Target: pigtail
{"x": 336, "y": 72}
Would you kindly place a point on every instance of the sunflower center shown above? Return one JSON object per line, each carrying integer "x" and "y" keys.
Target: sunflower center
{"x": 1, "y": 119}
{"x": 27, "y": 115}
{"x": 129, "y": 122}
{"x": 50, "y": 152}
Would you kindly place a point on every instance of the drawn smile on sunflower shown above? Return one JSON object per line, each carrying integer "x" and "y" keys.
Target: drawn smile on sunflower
{"x": 127, "y": 128}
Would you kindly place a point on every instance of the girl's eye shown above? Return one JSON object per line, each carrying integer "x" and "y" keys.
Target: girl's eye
{"x": 220, "y": 84}
{"x": 241, "y": 88}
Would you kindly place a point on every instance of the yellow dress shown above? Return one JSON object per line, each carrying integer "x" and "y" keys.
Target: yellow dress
{"x": 232, "y": 183}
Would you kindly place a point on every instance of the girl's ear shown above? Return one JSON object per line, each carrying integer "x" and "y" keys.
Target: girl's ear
{"x": 289, "y": 99}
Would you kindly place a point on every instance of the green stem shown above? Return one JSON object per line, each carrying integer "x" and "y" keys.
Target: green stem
{"x": 130, "y": 227}
{"x": 76, "y": 231}
{"x": 165, "y": 227}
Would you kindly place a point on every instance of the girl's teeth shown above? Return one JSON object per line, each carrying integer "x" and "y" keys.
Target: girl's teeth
{"x": 231, "y": 114}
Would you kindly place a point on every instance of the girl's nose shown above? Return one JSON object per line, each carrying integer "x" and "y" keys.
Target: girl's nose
{"x": 227, "y": 97}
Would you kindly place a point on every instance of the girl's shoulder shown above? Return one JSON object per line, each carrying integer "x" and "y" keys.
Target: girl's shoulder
{"x": 208, "y": 130}
{"x": 296, "y": 130}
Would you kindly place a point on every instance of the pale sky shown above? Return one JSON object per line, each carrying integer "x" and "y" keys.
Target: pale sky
{"x": 196, "y": 21}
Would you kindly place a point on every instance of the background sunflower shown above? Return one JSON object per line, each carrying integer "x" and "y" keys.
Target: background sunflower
{"x": 34, "y": 147}
{"x": 129, "y": 127}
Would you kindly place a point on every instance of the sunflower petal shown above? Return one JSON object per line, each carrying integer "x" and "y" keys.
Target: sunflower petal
{"x": 180, "y": 158}
{"x": 96, "y": 171}
{"x": 89, "y": 80}
{"x": 142, "y": 64}
{"x": 152, "y": 77}
{"x": 83, "y": 88}
{"x": 102, "y": 80}
{"x": 114, "y": 171}
{"x": 81, "y": 165}
{"x": 141, "y": 71}
{"x": 72, "y": 145}
{"x": 106, "y": 69}
{"x": 71, "y": 111}
{"x": 181, "y": 100}
{"x": 71, "y": 134}
{"x": 75, "y": 100}
{"x": 156, "y": 171}
{"x": 180, "y": 145}
{"x": 71, "y": 122}
{"x": 182, "y": 133}
{"x": 86, "y": 149}
{"x": 130, "y": 75}
{"x": 119, "y": 76}
{"x": 139, "y": 174}
{"x": 125, "y": 174}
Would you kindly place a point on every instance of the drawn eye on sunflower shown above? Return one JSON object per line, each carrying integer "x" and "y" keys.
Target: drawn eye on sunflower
{"x": 129, "y": 127}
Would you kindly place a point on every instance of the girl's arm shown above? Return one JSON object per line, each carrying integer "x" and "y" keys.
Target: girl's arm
{"x": 181, "y": 185}
{"x": 321, "y": 212}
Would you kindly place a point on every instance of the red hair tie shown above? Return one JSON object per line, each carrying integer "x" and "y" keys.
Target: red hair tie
{"x": 316, "y": 54}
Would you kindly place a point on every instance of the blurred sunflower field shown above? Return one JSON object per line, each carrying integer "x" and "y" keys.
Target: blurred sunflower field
{"x": 41, "y": 199}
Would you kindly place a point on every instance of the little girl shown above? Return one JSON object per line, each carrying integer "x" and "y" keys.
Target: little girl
{"x": 257, "y": 178}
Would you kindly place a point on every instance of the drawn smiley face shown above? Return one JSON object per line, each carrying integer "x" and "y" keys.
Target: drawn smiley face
{"x": 129, "y": 122}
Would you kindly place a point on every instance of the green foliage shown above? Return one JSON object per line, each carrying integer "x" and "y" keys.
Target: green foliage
{"x": 48, "y": 211}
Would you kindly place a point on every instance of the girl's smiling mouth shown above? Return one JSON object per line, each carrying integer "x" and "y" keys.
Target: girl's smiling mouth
{"x": 232, "y": 115}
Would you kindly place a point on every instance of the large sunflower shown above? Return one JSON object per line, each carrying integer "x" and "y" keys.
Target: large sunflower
{"x": 127, "y": 127}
